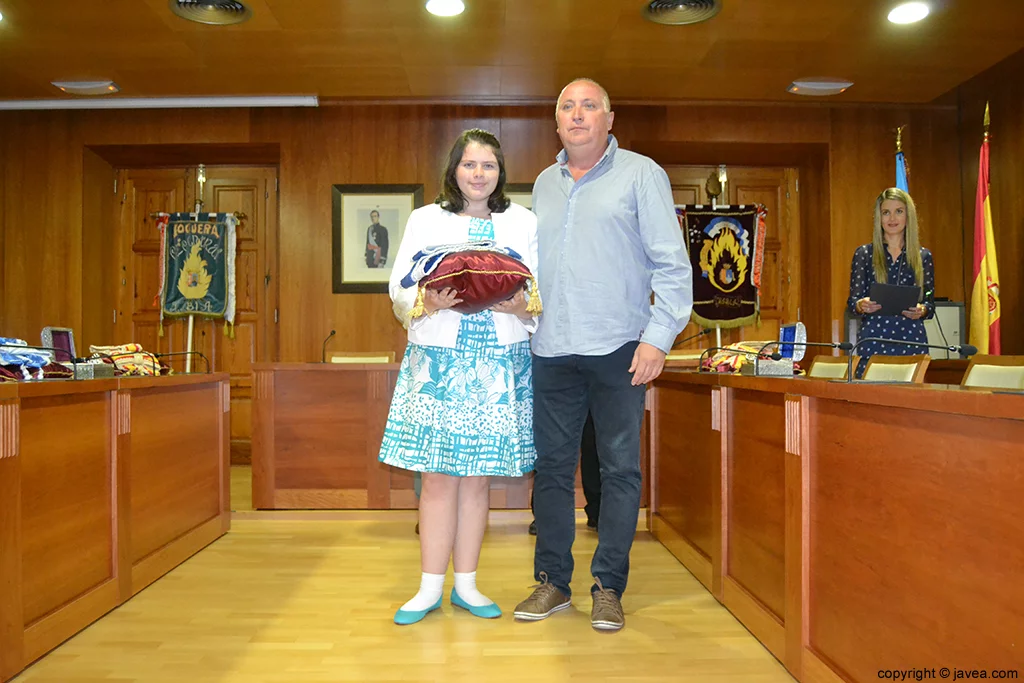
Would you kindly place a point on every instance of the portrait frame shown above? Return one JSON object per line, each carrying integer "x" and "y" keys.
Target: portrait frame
{"x": 520, "y": 193}
{"x": 62, "y": 338}
{"x": 359, "y": 265}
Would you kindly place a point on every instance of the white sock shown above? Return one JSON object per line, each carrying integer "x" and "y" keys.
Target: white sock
{"x": 431, "y": 586}
{"x": 465, "y": 586}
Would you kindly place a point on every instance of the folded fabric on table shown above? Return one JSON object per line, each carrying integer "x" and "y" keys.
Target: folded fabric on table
{"x": 734, "y": 356}
{"x": 131, "y": 359}
{"x": 10, "y": 354}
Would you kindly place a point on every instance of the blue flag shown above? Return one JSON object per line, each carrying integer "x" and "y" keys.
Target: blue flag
{"x": 901, "y": 173}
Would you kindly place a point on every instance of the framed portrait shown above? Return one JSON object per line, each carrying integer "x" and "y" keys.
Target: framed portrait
{"x": 368, "y": 225}
{"x": 520, "y": 193}
{"x": 62, "y": 338}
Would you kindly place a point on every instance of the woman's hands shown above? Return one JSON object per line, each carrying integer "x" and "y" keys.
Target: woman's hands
{"x": 516, "y": 305}
{"x": 866, "y": 305}
{"x": 915, "y": 313}
{"x": 434, "y": 300}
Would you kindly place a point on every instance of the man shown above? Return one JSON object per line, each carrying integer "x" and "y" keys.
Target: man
{"x": 590, "y": 475}
{"x": 376, "y": 242}
{"x": 608, "y": 237}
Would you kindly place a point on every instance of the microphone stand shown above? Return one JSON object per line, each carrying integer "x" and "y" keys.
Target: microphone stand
{"x": 74, "y": 361}
{"x": 962, "y": 349}
{"x": 706, "y": 330}
{"x": 323, "y": 349}
{"x": 842, "y": 346}
{"x": 181, "y": 353}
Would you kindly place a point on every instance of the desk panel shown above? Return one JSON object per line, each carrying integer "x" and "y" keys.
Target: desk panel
{"x": 866, "y": 526}
{"x": 66, "y": 499}
{"x": 915, "y": 529}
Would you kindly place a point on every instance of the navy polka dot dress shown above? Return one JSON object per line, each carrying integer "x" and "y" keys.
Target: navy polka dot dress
{"x": 897, "y": 327}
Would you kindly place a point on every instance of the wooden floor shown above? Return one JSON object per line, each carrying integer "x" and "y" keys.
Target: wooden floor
{"x": 297, "y": 600}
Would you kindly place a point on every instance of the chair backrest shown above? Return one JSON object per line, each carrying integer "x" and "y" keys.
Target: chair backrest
{"x": 830, "y": 367}
{"x": 362, "y": 356}
{"x": 995, "y": 372}
{"x": 897, "y": 368}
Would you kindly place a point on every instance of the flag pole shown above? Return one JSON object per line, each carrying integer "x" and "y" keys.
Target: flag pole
{"x": 902, "y": 167}
{"x": 201, "y": 181}
{"x": 985, "y": 304}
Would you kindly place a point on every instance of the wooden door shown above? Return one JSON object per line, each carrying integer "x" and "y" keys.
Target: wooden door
{"x": 777, "y": 189}
{"x": 251, "y": 191}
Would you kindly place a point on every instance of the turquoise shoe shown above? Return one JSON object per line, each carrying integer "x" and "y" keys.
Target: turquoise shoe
{"x": 490, "y": 611}
{"x": 406, "y": 617}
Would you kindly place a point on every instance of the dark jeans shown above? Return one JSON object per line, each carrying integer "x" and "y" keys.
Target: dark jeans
{"x": 564, "y": 389}
{"x": 590, "y": 473}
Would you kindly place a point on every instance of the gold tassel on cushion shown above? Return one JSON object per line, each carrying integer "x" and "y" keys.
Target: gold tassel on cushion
{"x": 533, "y": 306}
{"x": 419, "y": 309}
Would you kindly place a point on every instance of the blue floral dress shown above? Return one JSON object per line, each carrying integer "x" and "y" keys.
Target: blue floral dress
{"x": 895, "y": 327}
{"x": 465, "y": 411}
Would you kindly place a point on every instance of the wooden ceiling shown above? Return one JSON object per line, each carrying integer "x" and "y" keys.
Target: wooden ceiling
{"x": 503, "y": 50}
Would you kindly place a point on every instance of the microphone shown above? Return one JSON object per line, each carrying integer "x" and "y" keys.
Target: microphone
{"x": 75, "y": 362}
{"x": 706, "y": 330}
{"x": 842, "y": 346}
{"x": 206, "y": 360}
{"x": 962, "y": 349}
{"x": 323, "y": 350}
{"x": 56, "y": 357}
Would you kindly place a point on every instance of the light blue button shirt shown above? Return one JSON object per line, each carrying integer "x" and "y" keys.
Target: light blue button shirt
{"x": 606, "y": 242}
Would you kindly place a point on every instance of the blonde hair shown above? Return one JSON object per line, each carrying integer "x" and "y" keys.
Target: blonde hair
{"x": 911, "y": 239}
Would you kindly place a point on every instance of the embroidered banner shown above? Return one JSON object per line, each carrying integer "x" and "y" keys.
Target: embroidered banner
{"x": 197, "y": 265}
{"x": 726, "y": 251}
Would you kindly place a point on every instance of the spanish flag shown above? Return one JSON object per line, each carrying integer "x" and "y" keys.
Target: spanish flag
{"x": 985, "y": 308}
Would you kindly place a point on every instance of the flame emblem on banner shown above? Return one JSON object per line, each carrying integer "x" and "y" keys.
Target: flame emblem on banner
{"x": 194, "y": 281}
{"x": 724, "y": 256}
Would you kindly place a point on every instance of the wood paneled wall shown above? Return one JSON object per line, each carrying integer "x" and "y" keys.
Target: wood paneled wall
{"x": 1001, "y": 87}
{"x": 44, "y": 166}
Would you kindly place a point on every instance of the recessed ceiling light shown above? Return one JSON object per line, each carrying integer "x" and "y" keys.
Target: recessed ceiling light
{"x": 86, "y": 87}
{"x": 818, "y": 87}
{"x": 445, "y": 8}
{"x": 1, "y": 16}
{"x": 908, "y": 13}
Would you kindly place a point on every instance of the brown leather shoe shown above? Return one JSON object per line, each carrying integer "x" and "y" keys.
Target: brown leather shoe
{"x": 606, "y": 614}
{"x": 542, "y": 603}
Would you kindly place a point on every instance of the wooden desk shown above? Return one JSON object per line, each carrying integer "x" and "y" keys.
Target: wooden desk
{"x": 317, "y": 429}
{"x": 850, "y": 527}
{"x": 316, "y": 433}
{"x": 105, "y": 485}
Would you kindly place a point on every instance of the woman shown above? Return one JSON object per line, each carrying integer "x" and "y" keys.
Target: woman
{"x": 463, "y": 407}
{"x": 895, "y": 256}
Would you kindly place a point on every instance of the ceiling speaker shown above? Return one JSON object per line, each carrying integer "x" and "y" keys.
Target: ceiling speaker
{"x": 680, "y": 12}
{"x": 213, "y": 12}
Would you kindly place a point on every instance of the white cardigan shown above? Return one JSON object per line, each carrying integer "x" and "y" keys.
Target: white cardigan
{"x": 431, "y": 225}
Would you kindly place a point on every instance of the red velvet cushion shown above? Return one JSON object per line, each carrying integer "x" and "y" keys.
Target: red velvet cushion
{"x": 482, "y": 278}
